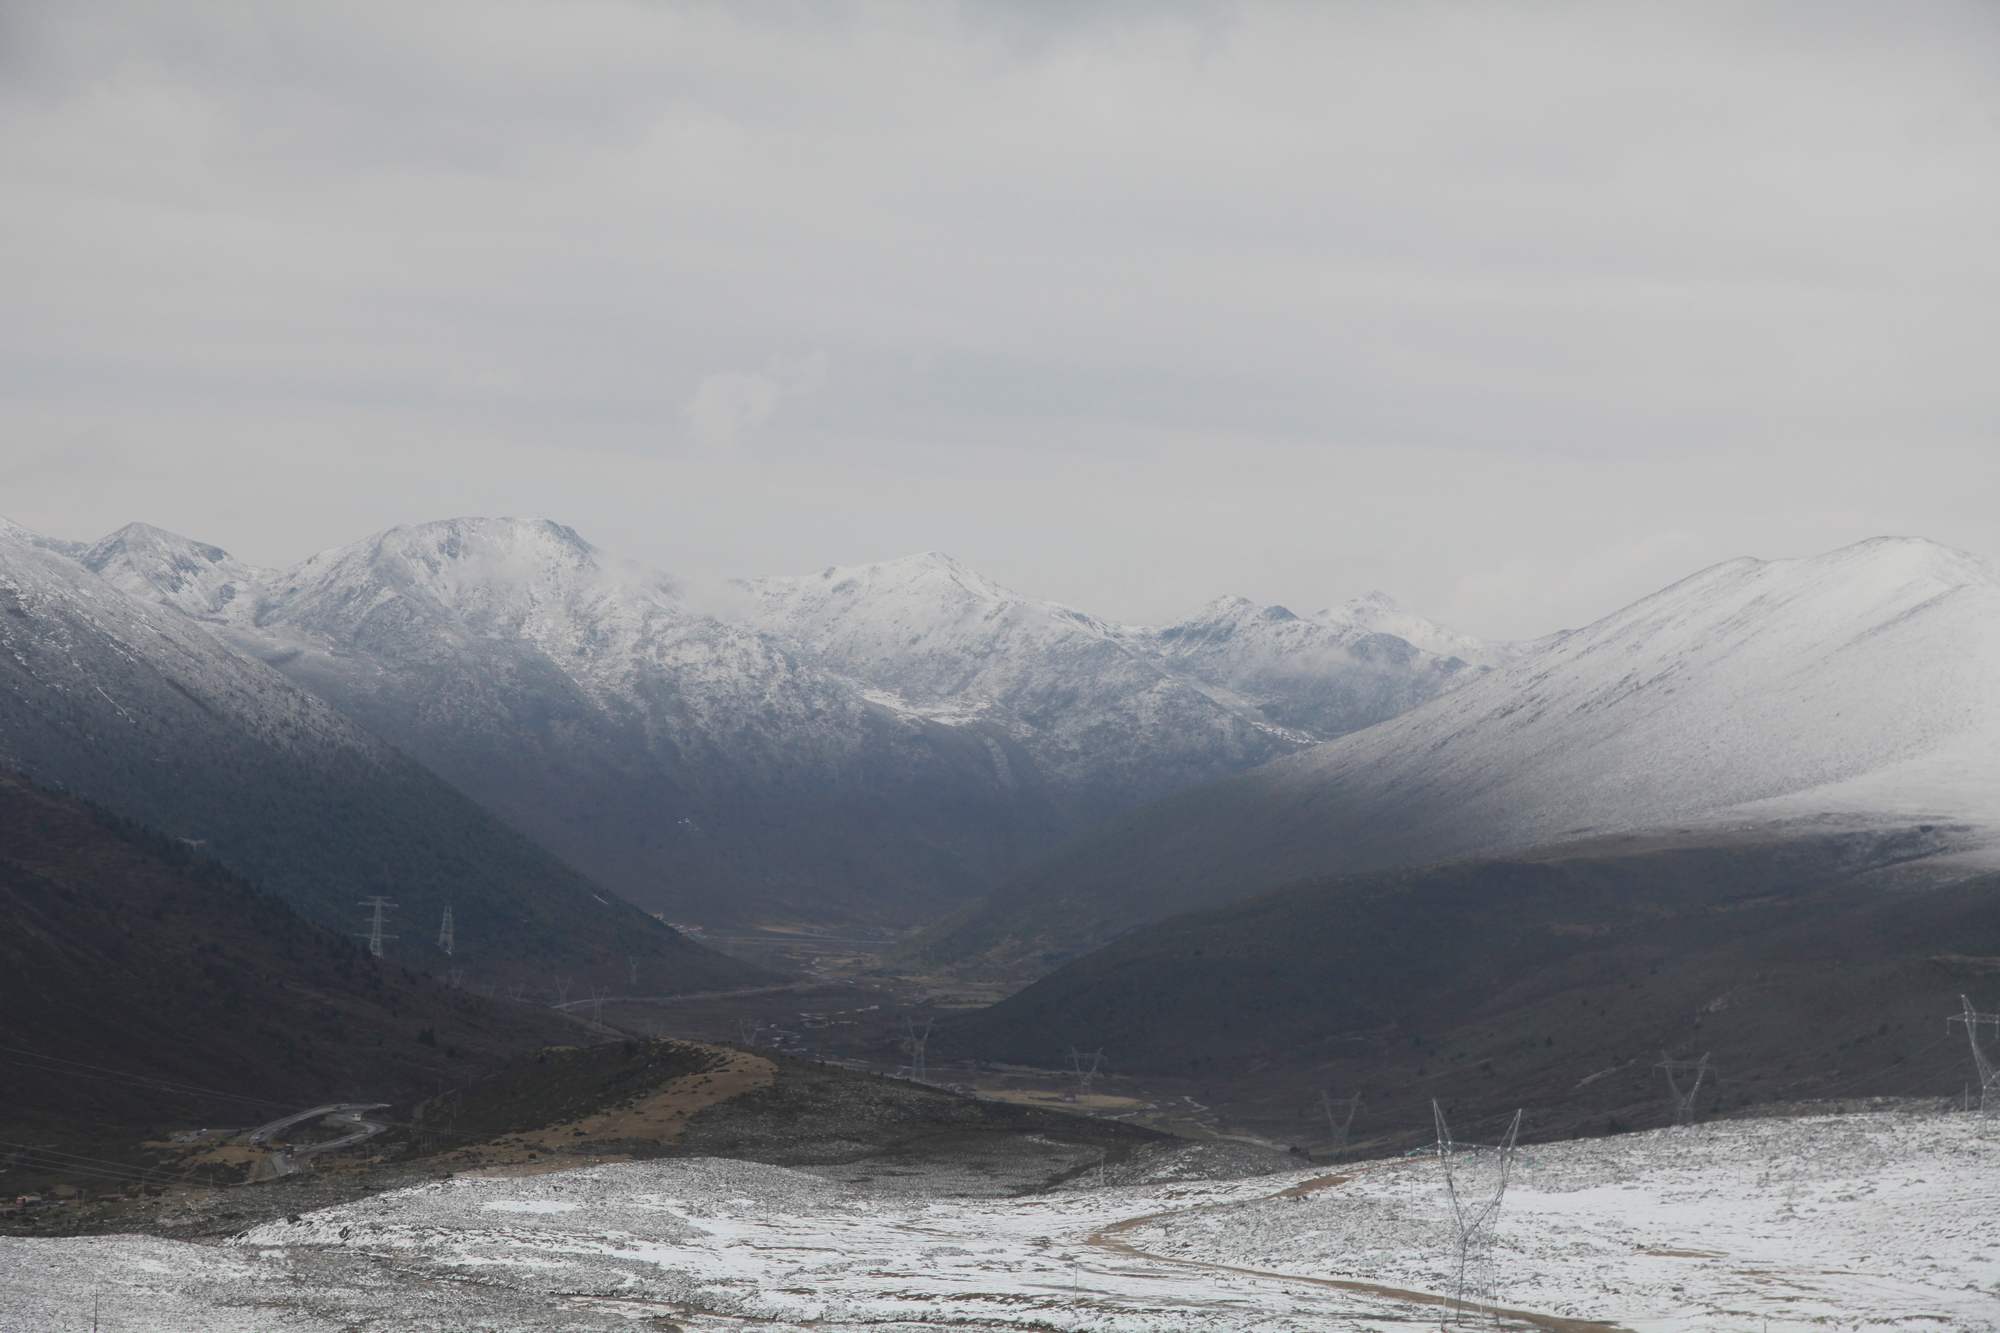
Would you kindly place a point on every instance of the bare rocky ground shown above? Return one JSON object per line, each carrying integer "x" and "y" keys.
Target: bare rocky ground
{"x": 624, "y": 1100}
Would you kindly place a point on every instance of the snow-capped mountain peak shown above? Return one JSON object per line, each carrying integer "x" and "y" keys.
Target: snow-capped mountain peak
{"x": 488, "y": 577}
{"x": 195, "y": 578}
{"x": 1379, "y": 613}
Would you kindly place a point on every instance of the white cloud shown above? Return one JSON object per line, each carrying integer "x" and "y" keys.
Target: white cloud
{"x": 729, "y": 407}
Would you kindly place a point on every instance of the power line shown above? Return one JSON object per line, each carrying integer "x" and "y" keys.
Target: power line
{"x": 130, "y": 1076}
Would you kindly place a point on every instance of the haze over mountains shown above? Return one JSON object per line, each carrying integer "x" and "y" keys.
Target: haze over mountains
{"x": 876, "y": 743}
{"x": 1859, "y": 683}
{"x": 891, "y": 742}
{"x": 146, "y": 712}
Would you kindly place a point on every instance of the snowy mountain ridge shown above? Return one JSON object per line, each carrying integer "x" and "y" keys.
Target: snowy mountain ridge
{"x": 1747, "y": 681}
{"x": 648, "y": 738}
{"x": 131, "y": 702}
{"x": 1857, "y": 686}
{"x": 1100, "y": 705}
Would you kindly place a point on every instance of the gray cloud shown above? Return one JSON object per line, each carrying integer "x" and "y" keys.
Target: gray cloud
{"x": 1518, "y": 311}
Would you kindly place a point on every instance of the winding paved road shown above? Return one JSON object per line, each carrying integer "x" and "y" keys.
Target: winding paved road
{"x": 285, "y": 1161}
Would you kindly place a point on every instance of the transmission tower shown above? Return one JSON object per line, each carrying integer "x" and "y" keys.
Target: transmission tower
{"x": 1982, "y": 1064}
{"x": 377, "y": 906}
{"x": 631, "y": 972}
{"x": 1084, "y": 1068}
{"x": 1473, "y": 1209}
{"x": 562, "y": 992}
{"x": 447, "y": 940}
{"x": 748, "y": 1029}
{"x": 597, "y": 1005}
{"x": 1339, "y": 1122}
{"x": 917, "y": 1039}
{"x": 1675, "y": 1070}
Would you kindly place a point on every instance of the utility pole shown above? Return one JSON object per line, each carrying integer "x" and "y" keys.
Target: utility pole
{"x": 1982, "y": 1064}
{"x": 447, "y": 941}
{"x": 377, "y": 905}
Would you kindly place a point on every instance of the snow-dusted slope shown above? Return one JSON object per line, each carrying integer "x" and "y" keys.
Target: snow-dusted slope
{"x": 1325, "y": 675}
{"x": 116, "y": 676}
{"x": 697, "y": 766}
{"x": 1111, "y": 714}
{"x": 1379, "y": 613}
{"x": 1864, "y": 683}
{"x": 1872, "y": 1221}
{"x": 151, "y": 714}
{"x": 1749, "y": 681}
{"x": 191, "y": 577}
{"x": 881, "y": 740}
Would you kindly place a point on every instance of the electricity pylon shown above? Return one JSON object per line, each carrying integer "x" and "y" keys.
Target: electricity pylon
{"x": 377, "y": 906}
{"x": 1982, "y": 1064}
{"x": 917, "y": 1039}
{"x": 1683, "y": 1101}
{"x": 1338, "y": 1123}
{"x": 1085, "y": 1069}
{"x": 1472, "y": 1218}
{"x": 447, "y": 938}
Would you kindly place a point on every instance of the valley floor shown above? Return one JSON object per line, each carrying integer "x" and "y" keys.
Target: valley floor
{"x": 1877, "y": 1221}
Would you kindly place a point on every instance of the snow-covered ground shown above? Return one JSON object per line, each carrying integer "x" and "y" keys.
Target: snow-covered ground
{"x": 1884, "y": 1221}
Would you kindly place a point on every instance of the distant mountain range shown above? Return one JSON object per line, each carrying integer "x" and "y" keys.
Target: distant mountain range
{"x": 149, "y": 713}
{"x": 879, "y": 743}
{"x": 1862, "y": 685}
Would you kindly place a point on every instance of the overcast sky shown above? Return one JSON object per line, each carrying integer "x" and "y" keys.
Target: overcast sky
{"x": 1516, "y": 311}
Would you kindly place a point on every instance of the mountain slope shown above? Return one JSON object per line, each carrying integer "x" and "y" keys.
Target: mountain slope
{"x": 1857, "y": 684}
{"x": 146, "y": 962}
{"x": 191, "y": 577}
{"x": 150, "y": 714}
{"x": 694, "y": 766}
{"x": 1111, "y": 715}
{"x": 1102, "y": 721}
{"x": 1811, "y": 966}
{"x": 1325, "y": 675}
{"x": 877, "y": 743}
